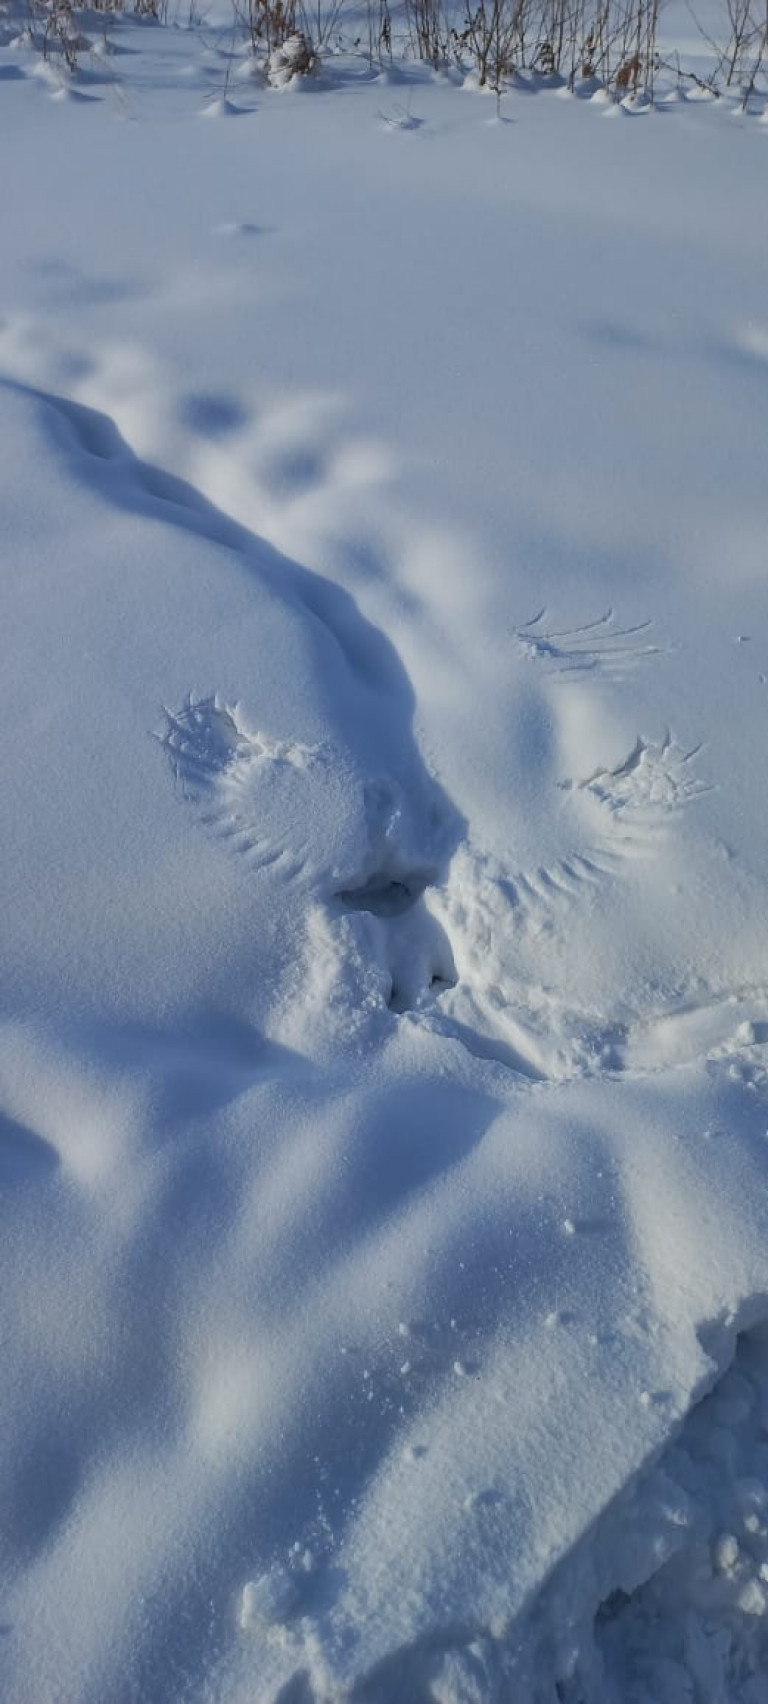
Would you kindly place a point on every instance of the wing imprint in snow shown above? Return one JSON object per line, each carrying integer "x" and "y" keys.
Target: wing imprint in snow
{"x": 641, "y": 793}
{"x": 223, "y": 767}
{"x": 599, "y": 647}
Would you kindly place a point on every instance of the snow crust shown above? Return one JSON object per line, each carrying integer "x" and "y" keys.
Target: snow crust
{"x": 384, "y": 991}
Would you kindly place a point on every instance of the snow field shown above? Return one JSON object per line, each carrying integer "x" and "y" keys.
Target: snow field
{"x": 384, "y": 1004}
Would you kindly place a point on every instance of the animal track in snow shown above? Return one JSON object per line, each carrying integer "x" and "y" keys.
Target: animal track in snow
{"x": 205, "y": 742}
{"x": 391, "y": 887}
{"x": 457, "y": 942}
{"x": 489, "y": 906}
{"x": 390, "y": 881}
{"x": 222, "y": 766}
{"x": 497, "y": 1006}
{"x": 652, "y": 781}
{"x": 464, "y": 941}
{"x": 455, "y": 949}
{"x": 495, "y": 923}
{"x": 384, "y": 895}
{"x": 599, "y": 647}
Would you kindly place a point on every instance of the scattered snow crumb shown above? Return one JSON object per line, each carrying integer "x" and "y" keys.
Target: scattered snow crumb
{"x": 268, "y": 1600}
{"x": 725, "y": 1552}
{"x": 751, "y": 1598}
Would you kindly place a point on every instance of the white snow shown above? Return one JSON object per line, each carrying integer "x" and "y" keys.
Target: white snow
{"x": 384, "y": 988}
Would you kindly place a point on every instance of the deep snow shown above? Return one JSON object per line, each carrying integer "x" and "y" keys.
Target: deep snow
{"x": 384, "y": 1046}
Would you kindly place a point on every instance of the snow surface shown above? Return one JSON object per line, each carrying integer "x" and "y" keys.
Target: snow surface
{"x": 384, "y": 1043}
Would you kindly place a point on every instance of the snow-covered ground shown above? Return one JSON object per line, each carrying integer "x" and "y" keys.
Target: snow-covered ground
{"x": 384, "y": 990}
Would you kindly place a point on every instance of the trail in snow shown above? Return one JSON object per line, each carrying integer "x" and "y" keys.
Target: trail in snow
{"x": 210, "y": 754}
